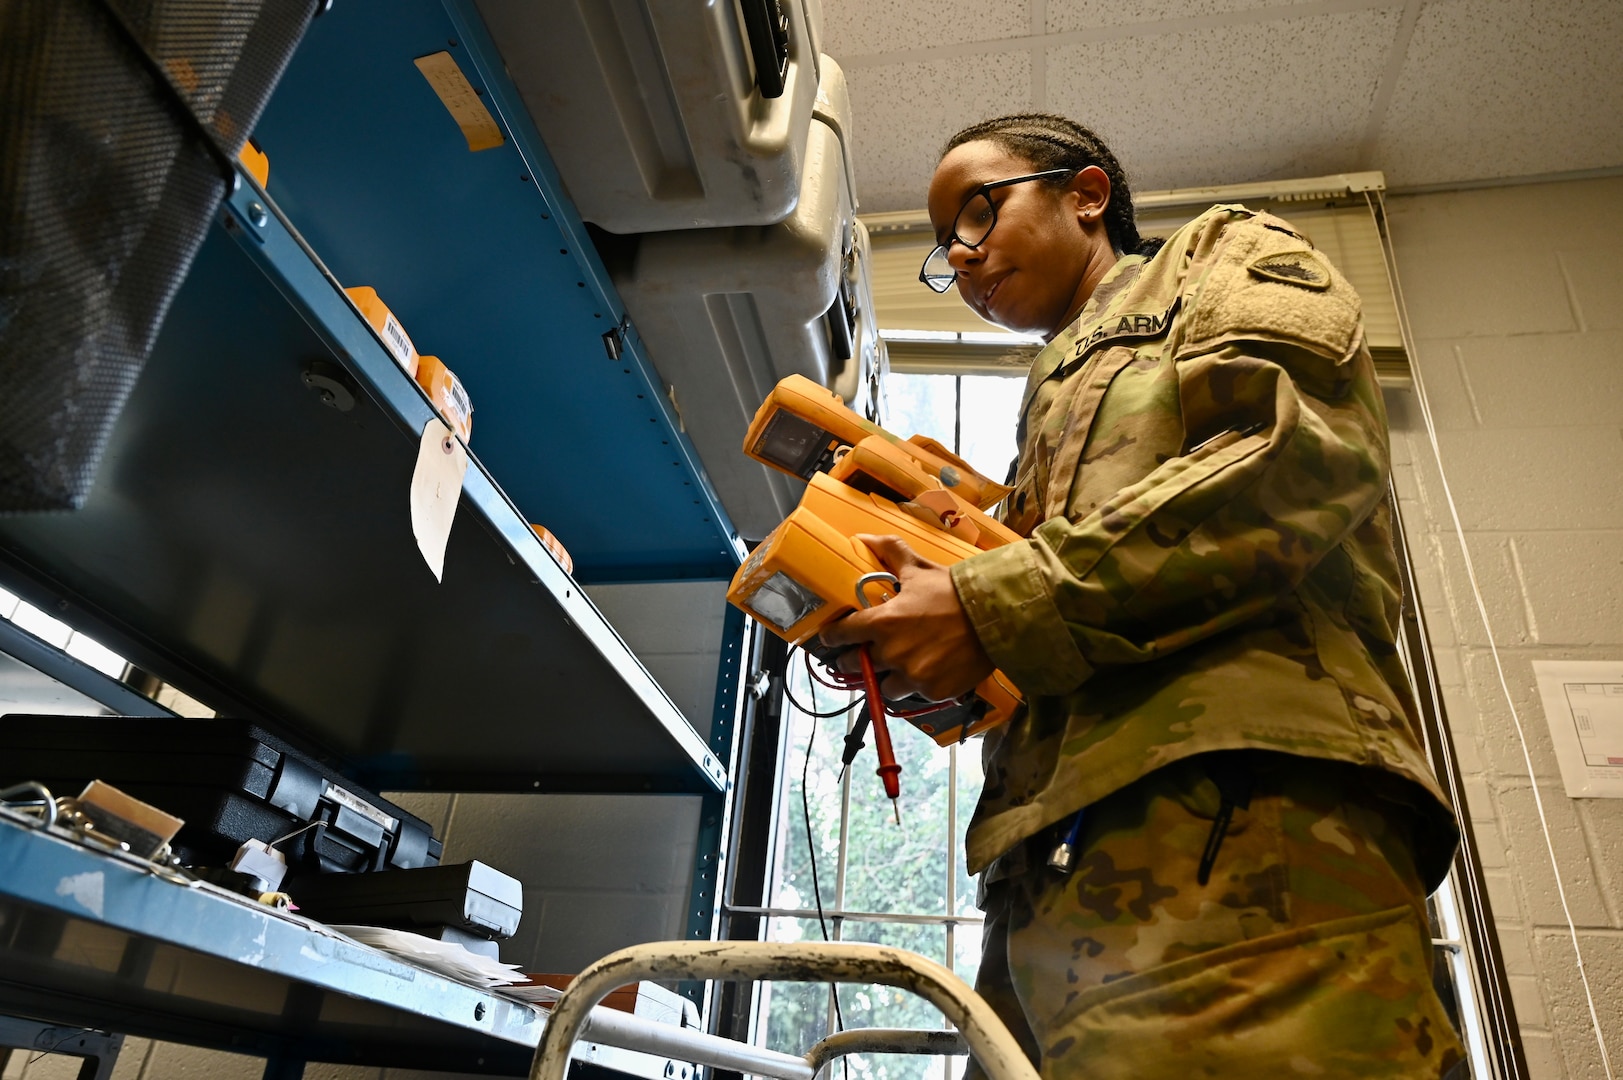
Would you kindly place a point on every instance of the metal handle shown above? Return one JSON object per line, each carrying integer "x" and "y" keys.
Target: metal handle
{"x": 886, "y": 1041}
{"x": 611, "y": 1027}
{"x": 40, "y": 796}
{"x": 988, "y": 1039}
{"x": 868, "y": 579}
{"x": 767, "y": 28}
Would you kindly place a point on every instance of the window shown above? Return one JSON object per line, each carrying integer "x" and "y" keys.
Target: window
{"x": 975, "y": 415}
{"x": 901, "y": 886}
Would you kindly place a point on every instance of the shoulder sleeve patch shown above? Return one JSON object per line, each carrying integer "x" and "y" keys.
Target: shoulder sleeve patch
{"x": 1305, "y": 268}
{"x": 1264, "y": 284}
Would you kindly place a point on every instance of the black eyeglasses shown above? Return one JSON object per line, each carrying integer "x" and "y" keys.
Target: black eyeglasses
{"x": 972, "y": 226}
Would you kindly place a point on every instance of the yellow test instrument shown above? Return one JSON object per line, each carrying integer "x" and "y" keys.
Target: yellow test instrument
{"x": 863, "y": 479}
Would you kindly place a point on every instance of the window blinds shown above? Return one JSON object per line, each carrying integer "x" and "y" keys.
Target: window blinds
{"x": 929, "y": 332}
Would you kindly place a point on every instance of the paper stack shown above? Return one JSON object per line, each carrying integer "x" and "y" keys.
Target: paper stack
{"x": 534, "y": 993}
{"x": 444, "y": 957}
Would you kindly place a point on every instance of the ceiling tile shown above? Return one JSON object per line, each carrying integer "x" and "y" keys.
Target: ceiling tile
{"x": 1067, "y": 15}
{"x": 1493, "y": 88}
{"x": 1281, "y": 98}
{"x": 865, "y": 27}
{"x": 902, "y": 113}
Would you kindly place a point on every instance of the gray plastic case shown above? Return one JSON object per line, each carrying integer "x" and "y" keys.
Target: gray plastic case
{"x": 726, "y": 313}
{"x": 651, "y": 108}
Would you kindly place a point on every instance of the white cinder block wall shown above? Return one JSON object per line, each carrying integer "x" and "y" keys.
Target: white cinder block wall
{"x": 1515, "y": 296}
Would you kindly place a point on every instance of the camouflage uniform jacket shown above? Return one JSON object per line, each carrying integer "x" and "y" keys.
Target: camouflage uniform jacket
{"x": 1208, "y": 564}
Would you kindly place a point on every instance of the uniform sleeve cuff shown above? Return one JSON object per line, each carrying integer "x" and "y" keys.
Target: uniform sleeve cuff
{"x": 1008, "y": 601}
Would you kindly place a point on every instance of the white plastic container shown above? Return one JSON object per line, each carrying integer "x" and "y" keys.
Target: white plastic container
{"x": 653, "y": 111}
{"x": 726, "y": 313}
{"x": 861, "y": 384}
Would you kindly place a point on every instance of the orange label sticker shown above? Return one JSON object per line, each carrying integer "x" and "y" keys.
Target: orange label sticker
{"x": 460, "y": 100}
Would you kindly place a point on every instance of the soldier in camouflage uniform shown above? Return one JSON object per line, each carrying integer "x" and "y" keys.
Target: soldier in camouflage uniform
{"x": 1203, "y": 622}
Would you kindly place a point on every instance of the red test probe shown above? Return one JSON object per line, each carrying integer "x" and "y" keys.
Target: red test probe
{"x": 889, "y": 772}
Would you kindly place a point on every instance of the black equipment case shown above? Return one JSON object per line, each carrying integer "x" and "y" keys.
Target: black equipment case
{"x": 471, "y": 897}
{"x": 229, "y": 780}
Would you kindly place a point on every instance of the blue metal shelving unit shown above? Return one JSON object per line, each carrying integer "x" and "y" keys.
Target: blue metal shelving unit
{"x": 251, "y": 544}
{"x": 100, "y": 939}
{"x": 482, "y": 257}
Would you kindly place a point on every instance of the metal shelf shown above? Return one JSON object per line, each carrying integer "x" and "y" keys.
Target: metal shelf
{"x": 93, "y": 940}
{"x": 254, "y": 546}
{"x": 484, "y": 260}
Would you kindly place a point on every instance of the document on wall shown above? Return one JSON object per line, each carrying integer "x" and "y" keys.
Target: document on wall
{"x": 1583, "y": 704}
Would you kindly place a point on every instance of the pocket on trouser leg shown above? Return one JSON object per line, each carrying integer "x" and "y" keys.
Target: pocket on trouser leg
{"x": 1348, "y": 998}
{"x": 993, "y": 982}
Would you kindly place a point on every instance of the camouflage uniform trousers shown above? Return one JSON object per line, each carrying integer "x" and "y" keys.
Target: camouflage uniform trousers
{"x": 1306, "y": 954}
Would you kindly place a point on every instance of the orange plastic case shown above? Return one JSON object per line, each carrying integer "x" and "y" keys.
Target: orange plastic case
{"x": 804, "y": 575}
{"x": 445, "y": 390}
{"x": 884, "y": 466}
{"x": 254, "y": 160}
{"x": 861, "y": 479}
{"x": 387, "y": 327}
{"x": 552, "y": 545}
{"x": 800, "y": 426}
{"x": 814, "y": 552}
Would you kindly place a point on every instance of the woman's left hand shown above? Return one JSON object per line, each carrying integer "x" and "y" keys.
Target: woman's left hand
{"x": 921, "y": 637}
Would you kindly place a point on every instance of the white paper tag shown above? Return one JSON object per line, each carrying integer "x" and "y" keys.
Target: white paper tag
{"x": 436, "y": 488}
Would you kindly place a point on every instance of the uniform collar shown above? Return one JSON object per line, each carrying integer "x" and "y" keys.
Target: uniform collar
{"x": 1111, "y": 287}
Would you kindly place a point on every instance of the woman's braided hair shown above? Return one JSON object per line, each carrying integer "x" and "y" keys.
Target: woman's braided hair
{"x": 1053, "y": 142}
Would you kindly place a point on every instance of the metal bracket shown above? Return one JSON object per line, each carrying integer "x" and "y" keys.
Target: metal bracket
{"x": 99, "y": 1049}
{"x": 616, "y": 339}
{"x": 760, "y": 686}
{"x": 246, "y": 210}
